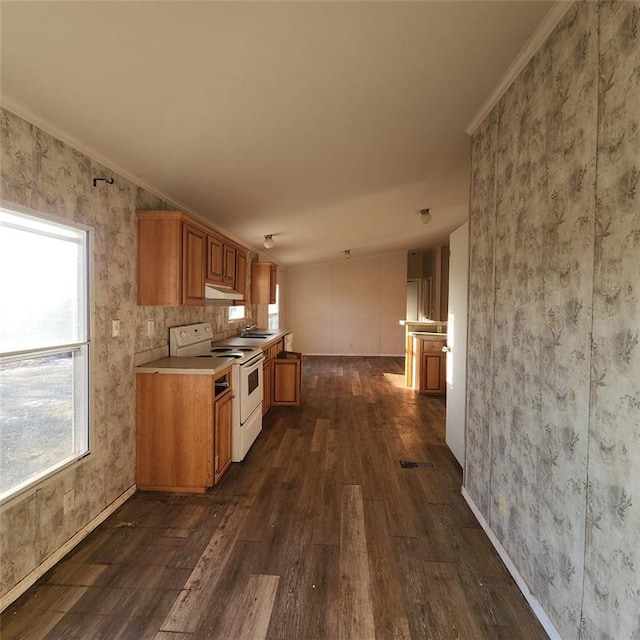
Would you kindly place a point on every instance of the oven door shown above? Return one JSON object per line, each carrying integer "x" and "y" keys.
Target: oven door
{"x": 250, "y": 386}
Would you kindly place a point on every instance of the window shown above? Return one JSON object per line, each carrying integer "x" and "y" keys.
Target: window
{"x": 44, "y": 344}
{"x": 236, "y": 313}
{"x": 274, "y": 311}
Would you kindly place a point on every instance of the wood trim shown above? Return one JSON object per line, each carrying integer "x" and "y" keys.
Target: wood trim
{"x": 161, "y": 214}
{"x": 548, "y": 24}
{"x": 171, "y": 488}
{"x": 30, "y": 579}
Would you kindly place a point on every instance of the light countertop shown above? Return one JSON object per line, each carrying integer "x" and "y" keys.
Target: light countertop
{"x": 239, "y": 341}
{"x": 193, "y": 365}
{"x": 210, "y": 366}
{"x": 428, "y": 335}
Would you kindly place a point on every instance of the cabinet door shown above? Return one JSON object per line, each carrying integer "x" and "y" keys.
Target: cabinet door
{"x": 229, "y": 275}
{"x": 287, "y": 377}
{"x": 267, "y": 385}
{"x": 222, "y": 431}
{"x": 215, "y": 259}
{"x": 193, "y": 254}
{"x": 432, "y": 375}
{"x": 240, "y": 284}
{"x": 263, "y": 282}
{"x": 159, "y": 259}
{"x": 276, "y": 349}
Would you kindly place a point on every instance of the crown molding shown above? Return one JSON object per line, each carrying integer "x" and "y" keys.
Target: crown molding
{"x": 60, "y": 133}
{"x": 548, "y": 24}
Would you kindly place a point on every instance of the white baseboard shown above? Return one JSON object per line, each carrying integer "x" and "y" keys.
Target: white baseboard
{"x": 358, "y": 355}
{"x": 15, "y": 592}
{"x": 539, "y": 612}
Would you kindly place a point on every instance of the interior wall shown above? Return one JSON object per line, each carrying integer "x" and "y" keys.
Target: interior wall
{"x": 553, "y": 453}
{"x": 457, "y": 341}
{"x": 41, "y": 173}
{"x": 352, "y": 307}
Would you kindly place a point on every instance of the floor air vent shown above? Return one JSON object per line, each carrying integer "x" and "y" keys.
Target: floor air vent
{"x": 408, "y": 464}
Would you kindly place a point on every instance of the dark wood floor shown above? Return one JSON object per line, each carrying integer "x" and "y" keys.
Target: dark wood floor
{"x": 318, "y": 534}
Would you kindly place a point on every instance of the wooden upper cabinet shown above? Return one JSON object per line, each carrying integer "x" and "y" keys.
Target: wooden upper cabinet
{"x": 170, "y": 260}
{"x": 221, "y": 261}
{"x": 229, "y": 275}
{"x": 177, "y": 255}
{"x": 193, "y": 248}
{"x": 215, "y": 259}
{"x": 264, "y": 277}
{"x": 240, "y": 284}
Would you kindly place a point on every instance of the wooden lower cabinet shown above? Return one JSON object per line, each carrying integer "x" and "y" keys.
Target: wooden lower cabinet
{"x": 222, "y": 434}
{"x": 182, "y": 429}
{"x": 433, "y": 368}
{"x": 267, "y": 385}
{"x": 287, "y": 379}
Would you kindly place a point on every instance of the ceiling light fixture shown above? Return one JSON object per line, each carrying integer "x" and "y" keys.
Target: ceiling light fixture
{"x": 425, "y": 216}
{"x": 268, "y": 241}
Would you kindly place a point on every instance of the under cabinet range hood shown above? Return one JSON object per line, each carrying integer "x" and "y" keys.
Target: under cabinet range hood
{"x": 220, "y": 293}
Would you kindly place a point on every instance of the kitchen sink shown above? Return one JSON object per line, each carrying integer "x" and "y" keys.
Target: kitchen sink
{"x": 262, "y": 334}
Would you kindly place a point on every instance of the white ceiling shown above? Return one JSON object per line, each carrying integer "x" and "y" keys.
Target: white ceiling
{"x": 326, "y": 124}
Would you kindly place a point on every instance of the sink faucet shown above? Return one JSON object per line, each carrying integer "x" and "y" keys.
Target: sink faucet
{"x": 247, "y": 329}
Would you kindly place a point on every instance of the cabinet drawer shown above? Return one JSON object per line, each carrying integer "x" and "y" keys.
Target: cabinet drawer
{"x": 275, "y": 349}
{"x": 432, "y": 346}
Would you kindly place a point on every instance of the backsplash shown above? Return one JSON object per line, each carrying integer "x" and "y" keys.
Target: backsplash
{"x": 152, "y": 348}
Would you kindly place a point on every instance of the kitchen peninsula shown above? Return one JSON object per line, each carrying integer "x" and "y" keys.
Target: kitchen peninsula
{"x": 425, "y": 360}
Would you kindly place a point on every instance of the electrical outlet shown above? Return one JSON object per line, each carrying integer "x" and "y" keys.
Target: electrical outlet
{"x": 115, "y": 328}
{"x": 151, "y": 328}
{"x": 502, "y": 504}
{"x": 69, "y": 501}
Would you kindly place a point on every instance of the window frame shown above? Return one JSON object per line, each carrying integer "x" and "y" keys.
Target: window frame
{"x": 274, "y": 315}
{"x": 237, "y": 306}
{"x": 84, "y": 347}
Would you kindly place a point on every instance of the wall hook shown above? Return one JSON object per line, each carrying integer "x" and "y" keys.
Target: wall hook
{"x": 107, "y": 180}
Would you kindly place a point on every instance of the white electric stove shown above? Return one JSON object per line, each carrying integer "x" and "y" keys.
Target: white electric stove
{"x": 246, "y": 378}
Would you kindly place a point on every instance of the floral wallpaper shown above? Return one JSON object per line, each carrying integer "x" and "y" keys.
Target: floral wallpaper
{"x": 553, "y": 418}
{"x": 47, "y": 175}
{"x": 612, "y": 585}
{"x": 482, "y": 221}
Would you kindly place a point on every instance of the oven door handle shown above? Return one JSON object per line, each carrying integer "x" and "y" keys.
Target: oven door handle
{"x": 254, "y": 361}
